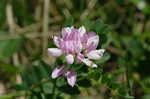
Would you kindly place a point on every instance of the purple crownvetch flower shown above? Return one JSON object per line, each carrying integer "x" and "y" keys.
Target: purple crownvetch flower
{"x": 78, "y": 46}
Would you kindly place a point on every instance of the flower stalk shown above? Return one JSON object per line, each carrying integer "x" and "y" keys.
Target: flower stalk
{"x": 54, "y": 89}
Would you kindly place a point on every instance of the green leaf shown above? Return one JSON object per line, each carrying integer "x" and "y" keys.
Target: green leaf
{"x": 100, "y": 27}
{"x": 2, "y": 10}
{"x": 61, "y": 82}
{"x": 20, "y": 87}
{"x": 107, "y": 79}
{"x": 40, "y": 72}
{"x": 27, "y": 79}
{"x": 122, "y": 92}
{"x": 115, "y": 86}
{"x": 147, "y": 96}
{"x": 69, "y": 22}
{"x": 9, "y": 68}
{"x": 24, "y": 15}
{"x": 9, "y": 47}
{"x": 11, "y": 95}
{"x": 84, "y": 97}
{"x": 70, "y": 90}
{"x": 95, "y": 73}
{"x": 49, "y": 96}
{"x": 84, "y": 83}
{"x": 47, "y": 88}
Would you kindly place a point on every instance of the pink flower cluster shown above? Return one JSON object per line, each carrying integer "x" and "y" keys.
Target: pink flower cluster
{"x": 78, "y": 46}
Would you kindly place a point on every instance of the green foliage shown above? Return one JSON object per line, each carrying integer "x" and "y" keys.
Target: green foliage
{"x": 9, "y": 47}
{"x": 69, "y": 90}
{"x": 10, "y": 68}
{"x": 123, "y": 27}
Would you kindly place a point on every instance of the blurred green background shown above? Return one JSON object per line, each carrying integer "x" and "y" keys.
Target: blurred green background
{"x": 26, "y": 31}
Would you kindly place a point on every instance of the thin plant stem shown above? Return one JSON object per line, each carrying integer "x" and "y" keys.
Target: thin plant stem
{"x": 54, "y": 89}
{"x": 128, "y": 80}
{"x": 45, "y": 23}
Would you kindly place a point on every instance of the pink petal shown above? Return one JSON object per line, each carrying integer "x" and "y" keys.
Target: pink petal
{"x": 82, "y": 30}
{"x": 68, "y": 46}
{"x": 55, "y": 51}
{"x": 74, "y": 35}
{"x": 78, "y": 46}
{"x": 58, "y": 71}
{"x": 71, "y": 77}
{"x": 80, "y": 57}
{"x": 70, "y": 59}
{"x": 91, "y": 34}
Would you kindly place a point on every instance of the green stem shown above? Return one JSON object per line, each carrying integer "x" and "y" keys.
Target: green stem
{"x": 128, "y": 80}
{"x": 53, "y": 91}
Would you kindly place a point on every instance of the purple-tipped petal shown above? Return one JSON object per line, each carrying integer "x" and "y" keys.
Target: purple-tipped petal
{"x": 85, "y": 38}
{"x": 92, "y": 43}
{"x": 58, "y": 71}
{"x": 82, "y": 30}
{"x": 95, "y": 54}
{"x": 55, "y": 51}
{"x": 89, "y": 63}
{"x": 70, "y": 59}
{"x": 71, "y": 77}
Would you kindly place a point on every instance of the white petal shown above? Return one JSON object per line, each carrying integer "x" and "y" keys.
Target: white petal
{"x": 56, "y": 41}
{"x": 72, "y": 27}
{"x": 93, "y": 55}
{"x": 89, "y": 63}
{"x": 101, "y": 52}
{"x": 94, "y": 65}
{"x": 96, "y": 54}
{"x": 57, "y": 72}
{"x": 55, "y": 51}
{"x": 71, "y": 78}
{"x": 70, "y": 59}
{"x": 66, "y": 31}
{"x": 82, "y": 30}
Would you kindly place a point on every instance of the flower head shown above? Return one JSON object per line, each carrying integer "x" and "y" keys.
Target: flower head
{"x": 78, "y": 46}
